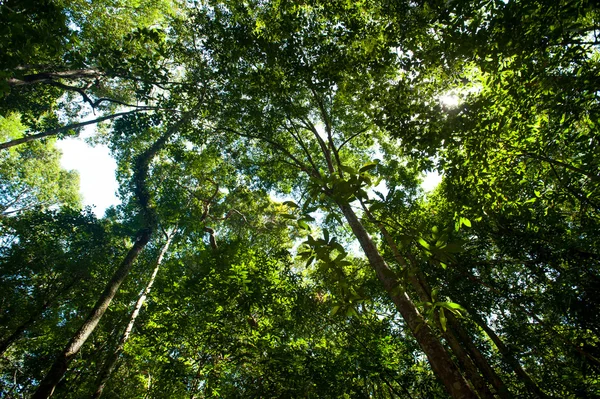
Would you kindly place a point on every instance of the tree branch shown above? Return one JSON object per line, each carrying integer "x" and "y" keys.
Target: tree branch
{"x": 58, "y": 130}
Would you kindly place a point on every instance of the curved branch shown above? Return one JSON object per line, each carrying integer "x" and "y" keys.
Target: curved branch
{"x": 53, "y": 132}
{"x": 298, "y": 138}
{"x": 350, "y": 139}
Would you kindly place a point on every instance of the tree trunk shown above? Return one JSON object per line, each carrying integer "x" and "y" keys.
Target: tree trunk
{"x": 15, "y": 335}
{"x": 5, "y": 344}
{"x": 148, "y": 214}
{"x": 59, "y": 368}
{"x": 482, "y": 363}
{"x": 469, "y": 350}
{"x": 509, "y": 358}
{"x": 438, "y": 357}
{"x": 479, "y": 384}
{"x": 111, "y": 361}
{"x": 466, "y": 356}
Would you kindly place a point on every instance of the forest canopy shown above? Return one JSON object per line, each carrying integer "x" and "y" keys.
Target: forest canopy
{"x": 273, "y": 238}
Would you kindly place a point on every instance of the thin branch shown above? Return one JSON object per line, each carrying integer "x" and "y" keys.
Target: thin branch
{"x": 309, "y": 126}
{"x": 297, "y": 163}
{"x": 574, "y": 193}
{"x": 298, "y": 137}
{"x": 565, "y": 165}
{"x": 351, "y": 138}
{"x": 86, "y": 97}
{"x": 46, "y": 77}
{"x": 328, "y": 129}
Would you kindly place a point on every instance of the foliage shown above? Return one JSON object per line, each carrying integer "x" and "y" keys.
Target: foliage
{"x": 31, "y": 176}
{"x": 285, "y": 143}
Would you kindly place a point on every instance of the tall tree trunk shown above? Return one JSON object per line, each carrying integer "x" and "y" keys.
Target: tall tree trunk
{"x": 509, "y": 358}
{"x": 111, "y": 361}
{"x": 468, "y": 355}
{"x": 482, "y": 363}
{"x": 468, "y": 347}
{"x": 16, "y": 334}
{"x": 148, "y": 214}
{"x": 424, "y": 294}
{"x": 438, "y": 357}
{"x": 59, "y": 368}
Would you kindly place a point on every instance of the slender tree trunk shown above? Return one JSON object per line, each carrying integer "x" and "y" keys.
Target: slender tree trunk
{"x": 470, "y": 349}
{"x": 148, "y": 214}
{"x": 438, "y": 357}
{"x": 54, "y": 132}
{"x": 15, "y": 335}
{"x": 59, "y": 368}
{"x": 471, "y": 372}
{"x": 482, "y": 363}
{"x": 509, "y": 358}
{"x": 468, "y": 355}
{"x": 111, "y": 361}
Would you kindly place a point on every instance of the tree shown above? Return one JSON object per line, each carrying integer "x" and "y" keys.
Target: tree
{"x": 31, "y": 176}
{"x": 50, "y": 261}
{"x": 63, "y": 59}
{"x": 148, "y": 216}
{"x": 483, "y": 288}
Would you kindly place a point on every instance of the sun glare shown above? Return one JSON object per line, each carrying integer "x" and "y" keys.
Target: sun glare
{"x": 449, "y": 100}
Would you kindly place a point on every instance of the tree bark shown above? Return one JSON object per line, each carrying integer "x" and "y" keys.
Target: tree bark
{"x": 438, "y": 357}
{"x": 467, "y": 356}
{"x": 59, "y": 368}
{"x": 111, "y": 361}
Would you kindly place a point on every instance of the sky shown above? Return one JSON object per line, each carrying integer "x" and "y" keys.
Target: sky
{"x": 98, "y": 185}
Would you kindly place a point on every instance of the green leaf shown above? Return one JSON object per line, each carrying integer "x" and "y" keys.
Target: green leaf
{"x": 424, "y": 243}
{"x": 368, "y": 166}
{"x": 453, "y": 247}
{"x": 291, "y": 204}
{"x": 310, "y": 260}
{"x": 348, "y": 169}
{"x": 443, "y": 319}
{"x": 454, "y": 307}
{"x": 303, "y": 225}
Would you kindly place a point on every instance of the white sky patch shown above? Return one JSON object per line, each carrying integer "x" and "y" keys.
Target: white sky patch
{"x": 381, "y": 187}
{"x": 431, "y": 181}
{"x": 98, "y": 184}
